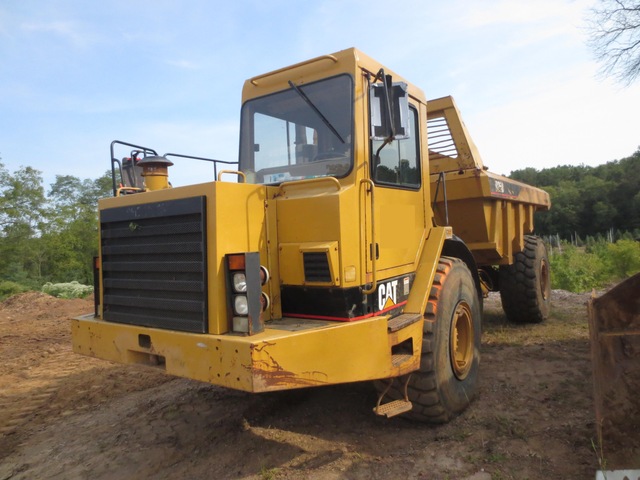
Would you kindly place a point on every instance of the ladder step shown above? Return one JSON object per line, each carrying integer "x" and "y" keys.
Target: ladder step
{"x": 401, "y": 321}
{"x": 400, "y": 358}
{"x": 394, "y": 408}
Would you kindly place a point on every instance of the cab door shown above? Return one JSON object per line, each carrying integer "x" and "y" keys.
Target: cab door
{"x": 399, "y": 215}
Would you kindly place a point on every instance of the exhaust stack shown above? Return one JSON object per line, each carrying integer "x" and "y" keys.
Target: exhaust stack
{"x": 155, "y": 170}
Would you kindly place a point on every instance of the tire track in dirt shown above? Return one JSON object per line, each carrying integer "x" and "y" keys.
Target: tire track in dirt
{"x": 67, "y": 416}
{"x": 34, "y": 388}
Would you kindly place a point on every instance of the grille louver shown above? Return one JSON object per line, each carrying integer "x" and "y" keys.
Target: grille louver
{"x": 154, "y": 264}
{"x": 316, "y": 267}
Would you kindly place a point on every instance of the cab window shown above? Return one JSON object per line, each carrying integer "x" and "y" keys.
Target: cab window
{"x": 398, "y": 163}
{"x": 298, "y": 133}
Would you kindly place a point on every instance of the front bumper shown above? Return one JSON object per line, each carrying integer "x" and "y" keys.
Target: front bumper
{"x": 290, "y": 353}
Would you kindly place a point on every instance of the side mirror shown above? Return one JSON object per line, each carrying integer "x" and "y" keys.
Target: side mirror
{"x": 389, "y": 106}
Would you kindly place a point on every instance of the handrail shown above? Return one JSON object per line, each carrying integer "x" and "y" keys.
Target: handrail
{"x": 442, "y": 178}
{"x": 237, "y": 172}
{"x": 306, "y": 181}
{"x": 114, "y": 160}
{"x": 212, "y": 160}
{"x": 374, "y": 281}
{"x": 254, "y": 80}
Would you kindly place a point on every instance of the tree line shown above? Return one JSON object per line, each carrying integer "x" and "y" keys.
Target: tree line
{"x": 588, "y": 201}
{"x": 51, "y": 235}
{"x": 47, "y": 235}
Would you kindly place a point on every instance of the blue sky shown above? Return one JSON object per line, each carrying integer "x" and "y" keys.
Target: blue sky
{"x": 75, "y": 75}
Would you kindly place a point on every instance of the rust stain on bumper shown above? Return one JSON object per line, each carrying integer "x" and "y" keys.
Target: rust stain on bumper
{"x": 269, "y": 375}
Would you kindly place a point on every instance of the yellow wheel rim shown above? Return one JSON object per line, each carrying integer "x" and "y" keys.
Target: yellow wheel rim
{"x": 461, "y": 350}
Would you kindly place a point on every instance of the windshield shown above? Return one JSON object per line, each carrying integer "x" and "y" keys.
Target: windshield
{"x": 302, "y": 132}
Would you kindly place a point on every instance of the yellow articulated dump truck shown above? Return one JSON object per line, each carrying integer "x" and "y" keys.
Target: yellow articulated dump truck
{"x": 353, "y": 241}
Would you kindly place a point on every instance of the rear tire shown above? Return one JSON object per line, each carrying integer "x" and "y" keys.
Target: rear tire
{"x": 525, "y": 286}
{"x": 447, "y": 380}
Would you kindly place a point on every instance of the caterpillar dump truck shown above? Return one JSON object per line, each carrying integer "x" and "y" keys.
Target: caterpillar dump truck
{"x": 352, "y": 241}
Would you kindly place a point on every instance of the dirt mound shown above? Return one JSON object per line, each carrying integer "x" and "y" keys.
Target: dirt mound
{"x": 32, "y": 326}
{"x": 42, "y": 304}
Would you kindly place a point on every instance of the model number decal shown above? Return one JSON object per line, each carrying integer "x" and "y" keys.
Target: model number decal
{"x": 500, "y": 188}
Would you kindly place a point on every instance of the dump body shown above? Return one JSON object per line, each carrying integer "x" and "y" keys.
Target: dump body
{"x": 491, "y": 213}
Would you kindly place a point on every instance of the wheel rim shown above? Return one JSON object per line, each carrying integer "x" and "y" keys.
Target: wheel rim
{"x": 544, "y": 279}
{"x": 461, "y": 349}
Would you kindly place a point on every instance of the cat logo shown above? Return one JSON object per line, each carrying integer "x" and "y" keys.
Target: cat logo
{"x": 387, "y": 295}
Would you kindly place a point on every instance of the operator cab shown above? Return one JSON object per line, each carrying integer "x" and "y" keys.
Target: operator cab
{"x": 306, "y": 131}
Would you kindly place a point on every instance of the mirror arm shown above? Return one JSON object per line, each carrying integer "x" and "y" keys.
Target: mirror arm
{"x": 386, "y": 84}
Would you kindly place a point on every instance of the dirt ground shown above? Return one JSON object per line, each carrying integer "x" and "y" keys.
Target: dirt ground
{"x": 66, "y": 416}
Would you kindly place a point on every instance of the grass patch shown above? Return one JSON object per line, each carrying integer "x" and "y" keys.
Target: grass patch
{"x": 268, "y": 473}
{"x": 9, "y": 288}
{"x": 568, "y": 320}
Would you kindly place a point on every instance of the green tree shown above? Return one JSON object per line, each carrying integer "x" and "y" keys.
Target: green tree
{"x": 21, "y": 198}
{"x": 527, "y": 175}
{"x": 597, "y": 214}
{"x": 72, "y": 234}
{"x": 48, "y": 238}
{"x": 22, "y": 204}
{"x": 564, "y": 217}
{"x": 588, "y": 200}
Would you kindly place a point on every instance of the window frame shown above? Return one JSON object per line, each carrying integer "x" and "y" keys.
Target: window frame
{"x": 247, "y": 121}
{"x": 415, "y": 126}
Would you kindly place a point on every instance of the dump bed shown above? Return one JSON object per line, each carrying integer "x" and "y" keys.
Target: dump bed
{"x": 491, "y": 213}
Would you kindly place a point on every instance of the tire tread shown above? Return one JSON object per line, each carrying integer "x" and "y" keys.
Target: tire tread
{"x": 428, "y": 405}
{"x": 518, "y": 283}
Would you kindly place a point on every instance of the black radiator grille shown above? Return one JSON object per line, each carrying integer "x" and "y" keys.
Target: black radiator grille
{"x": 316, "y": 267}
{"x": 154, "y": 264}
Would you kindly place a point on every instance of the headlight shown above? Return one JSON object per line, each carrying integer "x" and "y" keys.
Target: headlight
{"x": 240, "y": 282}
{"x": 241, "y": 324}
{"x": 241, "y": 305}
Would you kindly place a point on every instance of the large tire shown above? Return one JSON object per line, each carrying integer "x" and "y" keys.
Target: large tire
{"x": 447, "y": 380}
{"x": 525, "y": 286}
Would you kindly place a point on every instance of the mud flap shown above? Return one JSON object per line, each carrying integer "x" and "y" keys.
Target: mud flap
{"x": 614, "y": 324}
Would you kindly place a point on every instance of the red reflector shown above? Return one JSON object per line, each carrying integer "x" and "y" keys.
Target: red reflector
{"x": 236, "y": 262}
